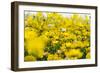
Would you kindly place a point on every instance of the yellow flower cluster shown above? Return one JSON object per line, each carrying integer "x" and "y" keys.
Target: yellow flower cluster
{"x": 56, "y": 36}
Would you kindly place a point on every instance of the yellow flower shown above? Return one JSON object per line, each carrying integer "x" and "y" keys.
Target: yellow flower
{"x": 30, "y": 33}
{"x": 29, "y": 58}
{"x": 35, "y": 47}
{"x": 88, "y": 56}
{"x": 29, "y": 20}
{"x": 80, "y": 24}
{"x": 56, "y": 57}
{"x": 50, "y": 57}
{"x": 78, "y": 32}
{"x": 68, "y": 44}
{"x": 66, "y": 34}
{"x": 54, "y": 42}
{"x": 46, "y": 33}
{"x": 72, "y": 58}
{"x": 63, "y": 48}
{"x": 68, "y": 22}
{"x": 86, "y": 33}
{"x": 73, "y": 53}
{"x": 77, "y": 44}
{"x": 56, "y": 37}
{"x": 88, "y": 49}
{"x": 44, "y": 38}
{"x": 86, "y": 43}
{"x": 53, "y": 57}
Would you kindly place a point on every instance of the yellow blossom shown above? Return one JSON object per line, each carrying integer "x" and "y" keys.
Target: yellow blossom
{"x": 30, "y": 58}
{"x": 30, "y": 33}
{"x": 73, "y": 53}
{"x": 50, "y": 57}
{"x": 68, "y": 44}
{"x": 88, "y": 56}
{"x": 35, "y": 47}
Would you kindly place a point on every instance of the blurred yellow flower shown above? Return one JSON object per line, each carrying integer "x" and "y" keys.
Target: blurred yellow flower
{"x": 73, "y": 53}
{"x": 50, "y": 57}
{"x": 66, "y": 34}
{"x": 68, "y": 44}
{"x": 53, "y": 57}
{"x": 35, "y": 47}
{"x": 88, "y": 56}
{"x": 29, "y": 20}
{"x": 30, "y": 33}
{"x": 88, "y": 49}
{"x": 30, "y": 58}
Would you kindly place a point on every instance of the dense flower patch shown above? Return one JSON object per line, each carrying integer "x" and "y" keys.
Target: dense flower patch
{"x": 56, "y": 36}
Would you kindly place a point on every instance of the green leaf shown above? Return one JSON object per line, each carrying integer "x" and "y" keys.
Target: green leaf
{"x": 83, "y": 50}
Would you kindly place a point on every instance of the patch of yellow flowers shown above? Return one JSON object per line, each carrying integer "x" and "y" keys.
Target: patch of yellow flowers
{"x": 55, "y": 36}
